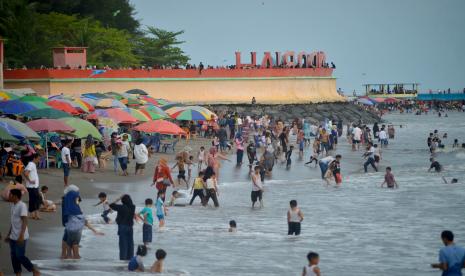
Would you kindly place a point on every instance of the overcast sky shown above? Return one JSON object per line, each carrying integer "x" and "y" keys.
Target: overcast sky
{"x": 370, "y": 41}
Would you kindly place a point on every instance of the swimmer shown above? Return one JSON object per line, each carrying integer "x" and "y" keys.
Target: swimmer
{"x": 232, "y": 226}
{"x": 294, "y": 218}
{"x": 389, "y": 179}
{"x": 456, "y": 143}
{"x": 452, "y": 181}
{"x": 312, "y": 268}
{"x": 157, "y": 266}
{"x": 435, "y": 165}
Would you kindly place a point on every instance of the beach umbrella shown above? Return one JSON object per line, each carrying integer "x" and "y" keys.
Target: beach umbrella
{"x": 108, "y": 123}
{"x": 117, "y": 114}
{"x": 11, "y": 130}
{"x": 84, "y": 104}
{"x": 46, "y": 113}
{"x": 49, "y": 125}
{"x": 5, "y": 96}
{"x": 15, "y": 107}
{"x": 171, "y": 105}
{"x": 160, "y": 126}
{"x": 115, "y": 95}
{"x": 131, "y": 102}
{"x": 63, "y": 106}
{"x": 109, "y": 103}
{"x": 38, "y": 105}
{"x": 378, "y": 100}
{"x": 25, "y": 131}
{"x": 365, "y": 101}
{"x": 6, "y": 137}
{"x": 390, "y": 100}
{"x": 153, "y": 115}
{"x": 30, "y": 98}
{"x": 82, "y": 128}
{"x": 137, "y": 91}
{"x": 95, "y": 96}
{"x": 78, "y": 106}
{"x": 142, "y": 117}
{"x": 190, "y": 113}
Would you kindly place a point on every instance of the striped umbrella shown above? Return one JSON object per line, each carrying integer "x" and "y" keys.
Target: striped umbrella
{"x": 16, "y": 126}
{"x": 190, "y": 113}
{"x": 5, "y": 96}
{"x": 15, "y": 107}
{"x": 139, "y": 115}
{"x": 63, "y": 106}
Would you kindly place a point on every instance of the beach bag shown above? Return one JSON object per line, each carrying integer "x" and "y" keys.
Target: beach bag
{"x": 95, "y": 161}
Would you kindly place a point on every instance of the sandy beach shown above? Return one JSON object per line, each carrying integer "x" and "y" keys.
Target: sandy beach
{"x": 89, "y": 188}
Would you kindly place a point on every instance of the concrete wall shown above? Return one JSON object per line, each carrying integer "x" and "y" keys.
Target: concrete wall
{"x": 234, "y": 90}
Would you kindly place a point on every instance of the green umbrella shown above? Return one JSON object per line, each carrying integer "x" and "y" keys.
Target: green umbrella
{"x": 27, "y": 132}
{"x": 46, "y": 113}
{"x": 82, "y": 128}
{"x": 33, "y": 99}
{"x": 38, "y": 105}
{"x": 115, "y": 95}
{"x": 6, "y": 137}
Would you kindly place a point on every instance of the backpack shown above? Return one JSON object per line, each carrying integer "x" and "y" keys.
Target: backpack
{"x": 17, "y": 167}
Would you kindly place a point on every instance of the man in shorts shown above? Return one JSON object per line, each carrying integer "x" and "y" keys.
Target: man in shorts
{"x": 257, "y": 187}
{"x": 66, "y": 160}
{"x": 357, "y": 137}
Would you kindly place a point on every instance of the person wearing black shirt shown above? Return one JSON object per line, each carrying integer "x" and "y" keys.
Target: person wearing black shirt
{"x": 435, "y": 165}
{"x": 125, "y": 221}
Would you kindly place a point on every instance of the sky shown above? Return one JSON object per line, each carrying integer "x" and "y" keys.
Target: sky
{"x": 370, "y": 41}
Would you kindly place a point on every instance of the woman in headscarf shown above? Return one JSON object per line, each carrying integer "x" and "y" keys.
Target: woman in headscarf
{"x": 89, "y": 155}
{"x": 213, "y": 162}
{"x": 74, "y": 221}
{"x": 125, "y": 220}
{"x": 162, "y": 177}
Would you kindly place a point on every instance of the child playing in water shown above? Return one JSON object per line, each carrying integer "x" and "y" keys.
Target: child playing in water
{"x": 294, "y": 218}
{"x": 106, "y": 206}
{"x": 182, "y": 171}
{"x": 312, "y": 268}
{"x": 201, "y": 158}
{"x": 232, "y": 226}
{"x": 46, "y": 205}
{"x": 136, "y": 264}
{"x": 161, "y": 209}
{"x": 157, "y": 266}
{"x": 146, "y": 215}
{"x": 389, "y": 179}
{"x": 198, "y": 188}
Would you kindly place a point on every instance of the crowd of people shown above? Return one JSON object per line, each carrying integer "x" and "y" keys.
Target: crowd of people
{"x": 264, "y": 140}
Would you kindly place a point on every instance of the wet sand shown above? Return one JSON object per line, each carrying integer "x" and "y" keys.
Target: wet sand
{"x": 103, "y": 180}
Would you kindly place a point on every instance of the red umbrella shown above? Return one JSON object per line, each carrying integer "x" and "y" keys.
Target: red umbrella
{"x": 390, "y": 100}
{"x": 160, "y": 126}
{"x": 117, "y": 114}
{"x": 63, "y": 106}
{"x": 49, "y": 125}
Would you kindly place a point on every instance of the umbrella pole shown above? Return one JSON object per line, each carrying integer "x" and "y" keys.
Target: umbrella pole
{"x": 46, "y": 151}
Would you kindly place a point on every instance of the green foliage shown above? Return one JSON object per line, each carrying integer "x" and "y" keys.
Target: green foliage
{"x": 158, "y": 47}
{"x": 33, "y": 28}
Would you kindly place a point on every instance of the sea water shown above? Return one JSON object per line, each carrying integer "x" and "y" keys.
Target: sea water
{"x": 357, "y": 228}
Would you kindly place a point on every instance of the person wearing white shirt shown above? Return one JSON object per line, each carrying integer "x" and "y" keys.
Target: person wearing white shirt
{"x": 66, "y": 160}
{"x": 383, "y": 137}
{"x": 18, "y": 235}
{"x": 257, "y": 187}
{"x": 142, "y": 156}
{"x": 370, "y": 155}
{"x": 32, "y": 185}
{"x": 357, "y": 137}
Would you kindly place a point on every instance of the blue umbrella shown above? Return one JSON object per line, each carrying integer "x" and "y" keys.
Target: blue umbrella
{"x": 15, "y": 107}
{"x": 11, "y": 130}
{"x": 365, "y": 101}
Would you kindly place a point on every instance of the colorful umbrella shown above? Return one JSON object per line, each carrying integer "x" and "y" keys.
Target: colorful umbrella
{"x": 391, "y": 100}
{"x": 109, "y": 103}
{"x": 137, "y": 91}
{"x": 119, "y": 115}
{"x": 160, "y": 126}
{"x": 49, "y": 125}
{"x": 38, "y": 105}
{"x": 115, "y": 95}
{"x": 82, "y": 128}
{"x": 153, "y": 115}
{"x": 142, "y": 117}
{"x": 149, "y": 100}
{"x": 190, "y": 113}
{"x": 378, "y": 100}
{"x": 84, "y": 104}
{"x": 25, "y": 131}
{"x": 30, "y": 98}
{"x": 170, "y": 105}
{"x": 5, "y": 136}
{"x": 46, "y": 113}
{"x": 95, "y": 96}
{"x": 15, "y": 107}
{"x": 63, "y": 106}
{"x": 4, "y": 96}
{"x": 108, "y": 123}
{"x": 78, "y": 106}
{"x": 131, "y": 102}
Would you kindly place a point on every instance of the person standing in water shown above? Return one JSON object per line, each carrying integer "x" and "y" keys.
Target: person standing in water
{"x": 125, "y": 220}
{"x": 312, "y": 268}
{"x": 451, "y": 257}
{"x": 389, "y": 179}
{"x": 370, "y": 156}
{"x": 257, "y": 187}
{"x": 294, "y": 218}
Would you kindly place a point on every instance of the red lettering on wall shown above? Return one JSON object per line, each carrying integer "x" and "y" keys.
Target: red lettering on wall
{"x": 253, "y": 60}
{"x": 267, "y": 61}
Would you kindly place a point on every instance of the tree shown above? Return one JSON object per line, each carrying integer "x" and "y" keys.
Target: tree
{"x": 159, "y": 47}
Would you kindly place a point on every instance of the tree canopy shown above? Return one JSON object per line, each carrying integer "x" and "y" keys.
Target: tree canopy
{"x": 106, "y": 27}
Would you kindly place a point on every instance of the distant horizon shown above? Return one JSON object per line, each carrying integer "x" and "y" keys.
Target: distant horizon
{"x": 370, "y": 41}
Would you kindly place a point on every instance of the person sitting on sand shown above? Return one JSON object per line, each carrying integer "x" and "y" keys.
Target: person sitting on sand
{"x": 46, "y": 205}
{"x": 157, "y": 266}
